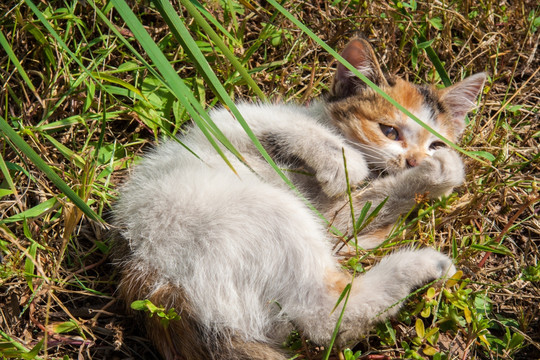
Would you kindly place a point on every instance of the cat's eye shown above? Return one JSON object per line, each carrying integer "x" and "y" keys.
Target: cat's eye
{"x": 437, "y": 145}
{"x": 390, "y": 132}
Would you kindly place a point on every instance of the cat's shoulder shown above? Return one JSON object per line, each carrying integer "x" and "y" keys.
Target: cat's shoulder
{"x": 265, "y": 111}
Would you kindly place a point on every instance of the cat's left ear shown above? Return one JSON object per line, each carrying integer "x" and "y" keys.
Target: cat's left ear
{"x": 359, "y": 53}
{"x": 461, "y": 98}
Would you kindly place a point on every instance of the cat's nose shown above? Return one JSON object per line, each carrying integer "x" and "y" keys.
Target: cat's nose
{"x": 412, "y": 162}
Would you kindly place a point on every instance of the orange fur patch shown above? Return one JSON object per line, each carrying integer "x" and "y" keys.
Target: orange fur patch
{"x": 336, "y": 281}
{"x": 359, "y": 116}
{"x": 185, "y": 338}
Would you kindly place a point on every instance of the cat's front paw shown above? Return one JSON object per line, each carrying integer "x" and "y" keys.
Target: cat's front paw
{"x": 443, "y": 171}
{"x": 331, "y": 176}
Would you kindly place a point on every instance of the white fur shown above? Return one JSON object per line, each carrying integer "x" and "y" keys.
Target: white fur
{"x": 248, "y": 253}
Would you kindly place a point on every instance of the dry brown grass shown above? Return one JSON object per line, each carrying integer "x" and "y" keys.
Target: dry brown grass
{"x": 71, "y": 275}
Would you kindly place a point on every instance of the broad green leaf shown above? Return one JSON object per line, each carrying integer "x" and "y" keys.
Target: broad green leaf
{"x": 419, "y": 326}
{"x": 117, "y": 81}
{"x": 454, "y": 279}
{"x": 139, "y": 305}
{"x": 436, "y": 22}
{"x": 516, "y": 341}
{"x": 5, "y": 192}
{"x": 429, "y": 350}
{"x": 483, "y": 154}
{"x": 65, "y": 327}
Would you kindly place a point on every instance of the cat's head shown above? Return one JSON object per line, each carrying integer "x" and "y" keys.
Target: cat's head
{"x": 391, "y": 140}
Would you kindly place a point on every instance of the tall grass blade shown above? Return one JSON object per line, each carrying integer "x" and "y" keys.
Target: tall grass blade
{"x": 181, "y": 33}
{"x": 9, "y": 51}
{"x": 175, "y": 83}
{"x": 194, "y": 11}
{"x": 213, "y": 20}
{"x": 19, "y": 143}
{"x": 432, "y": 55}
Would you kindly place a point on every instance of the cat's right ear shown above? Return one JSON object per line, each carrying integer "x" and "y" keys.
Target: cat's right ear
{"x": 360, "y": 54}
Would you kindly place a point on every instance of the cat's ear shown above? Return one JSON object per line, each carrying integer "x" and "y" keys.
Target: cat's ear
{"x": 360, "y": 54}
{"x": 460, "y": 98}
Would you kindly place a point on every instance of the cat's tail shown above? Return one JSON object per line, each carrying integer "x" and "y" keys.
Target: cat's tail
{"x": 185, "y": 338}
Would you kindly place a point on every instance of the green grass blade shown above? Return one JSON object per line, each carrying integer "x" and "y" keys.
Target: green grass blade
{"x": 22, "y": 351}
{"x": 36, "y": 211}
{"x": 180, "y": 31}
{"x": 213, "y": 20}
{"x": 221, "y": 45}
{"x": 55, "y": 35}
{"x": 7, "y": 48}
{"x": 7, "y": 175}
{"x": 432, "y": 55}
{"x": 19, "y": 143}
{"x": 115, "y": 80}
{"x": 355, "y": 71}
{"x": 175, "y": 83}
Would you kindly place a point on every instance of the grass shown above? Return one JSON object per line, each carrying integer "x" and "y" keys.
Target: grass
{"x": 82, "y": 91}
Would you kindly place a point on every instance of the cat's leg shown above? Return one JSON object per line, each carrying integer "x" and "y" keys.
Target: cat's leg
{"x": 322, "y": 151}
{"x": 375, "y": 296}
{"x": 379, "y": 293}
{"x": 434, "y": 177}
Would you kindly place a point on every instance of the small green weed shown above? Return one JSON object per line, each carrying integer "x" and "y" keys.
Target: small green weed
{"x": 166, "y": 316}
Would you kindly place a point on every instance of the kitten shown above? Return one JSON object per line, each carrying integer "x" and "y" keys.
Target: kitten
{"x": 243, "y": 260}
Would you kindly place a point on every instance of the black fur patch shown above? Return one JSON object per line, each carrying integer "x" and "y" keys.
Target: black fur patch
{"x": 277, "y": 149}
{"x": 431, "y": 99}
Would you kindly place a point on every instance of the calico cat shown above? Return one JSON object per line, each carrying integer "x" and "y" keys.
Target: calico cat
{"x": 243, "y": 259}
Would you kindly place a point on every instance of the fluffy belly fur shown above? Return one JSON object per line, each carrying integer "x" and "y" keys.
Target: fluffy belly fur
{"x": 243, "y": 259}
